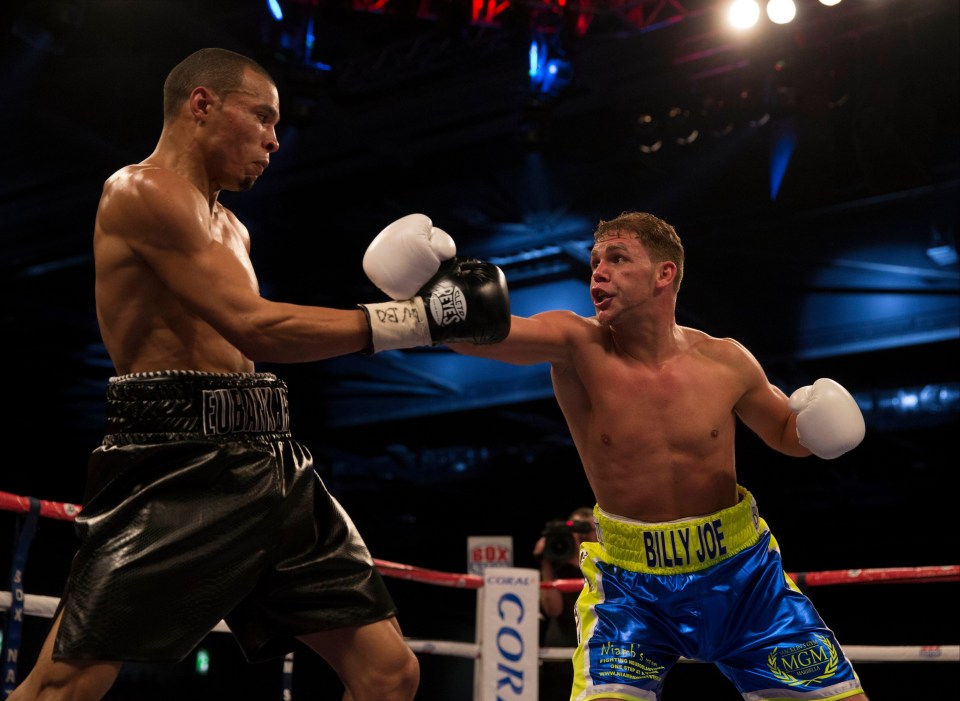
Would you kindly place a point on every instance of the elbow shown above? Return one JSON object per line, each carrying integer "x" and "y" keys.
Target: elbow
{"x": 249, "y": 339}
{"x": 790, "y": 445}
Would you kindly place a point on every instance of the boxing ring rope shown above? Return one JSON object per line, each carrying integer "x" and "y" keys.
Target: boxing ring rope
{"x": 857, "y": 653}
{"x": 19, "y": 603}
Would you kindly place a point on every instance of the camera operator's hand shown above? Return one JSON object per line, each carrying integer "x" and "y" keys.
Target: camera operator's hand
{"x": 539, "y": 547}
{"x": 551, "y": 600}
{"x": 558, "y": 550}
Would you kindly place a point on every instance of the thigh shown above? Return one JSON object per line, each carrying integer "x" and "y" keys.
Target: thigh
{"x": 627, "y": 646}
{"x": 784, "y": 645}
{"x": 321, "y": 577}
{"x": 171, "y": 542}
{"x": 806, "y": 665}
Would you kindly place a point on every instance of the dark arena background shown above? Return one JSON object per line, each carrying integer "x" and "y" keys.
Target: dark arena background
{"x": 811, "y": 168}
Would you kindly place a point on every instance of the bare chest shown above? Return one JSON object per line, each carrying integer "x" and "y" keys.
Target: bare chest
{"x": 224, "y": 231}
{"x": 684, "y": 386}
{"x": 685, "y": 404}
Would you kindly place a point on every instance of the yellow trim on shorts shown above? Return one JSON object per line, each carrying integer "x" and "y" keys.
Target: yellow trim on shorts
{"x": 681, "y": 546}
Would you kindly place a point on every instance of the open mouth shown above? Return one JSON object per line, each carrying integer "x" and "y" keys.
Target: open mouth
{"x": 600, "y": 298}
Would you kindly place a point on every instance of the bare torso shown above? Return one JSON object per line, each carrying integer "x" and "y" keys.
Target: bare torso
{"x": 652, "y": 406}
{"x": 656, "y": 441}
{"x": 143, "y": 324}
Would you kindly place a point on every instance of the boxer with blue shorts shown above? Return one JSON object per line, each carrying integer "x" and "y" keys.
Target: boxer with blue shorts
{"x": 710, "y": 588}
{"x": 685, "y": 568}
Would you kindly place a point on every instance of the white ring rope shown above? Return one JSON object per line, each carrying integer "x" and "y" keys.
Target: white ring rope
{"x": 46, "y": 607}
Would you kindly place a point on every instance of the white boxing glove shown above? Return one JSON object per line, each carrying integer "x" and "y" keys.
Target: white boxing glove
{"x": 406, "y": 254}
{"x": 829, "y": 422}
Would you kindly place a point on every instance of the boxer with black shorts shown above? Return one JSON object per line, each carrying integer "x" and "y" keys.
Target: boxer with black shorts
{"x": 684, "y": 566}
{"x": 200, "y": 505}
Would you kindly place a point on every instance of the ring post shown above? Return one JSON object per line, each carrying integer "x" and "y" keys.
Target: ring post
{"x": 287, "y": 694}
{"x": 26, "y": 527}
{"x": 509, "y": 645}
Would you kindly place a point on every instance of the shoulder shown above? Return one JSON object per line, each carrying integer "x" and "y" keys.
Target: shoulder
{"x": 567, "y": 318}
{"x": 568, "y": 323}
{"x": 727, "y": 351}
{"x": 145, "y": 178}
{"x": 153, "y": 184}
{"x": 144, "y": 194}
{"x": 557, "y": 314}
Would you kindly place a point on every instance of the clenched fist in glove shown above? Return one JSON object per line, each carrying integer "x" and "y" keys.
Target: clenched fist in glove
{"x": 829, "y": 422}
{"x": 466, "y": 301}
{"x": 406, "y": 254}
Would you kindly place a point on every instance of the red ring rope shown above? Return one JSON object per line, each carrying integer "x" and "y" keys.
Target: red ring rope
{"x": 887, "y": 575}
{"x": 46, "y": 606}
{"x": 48, "y": 509}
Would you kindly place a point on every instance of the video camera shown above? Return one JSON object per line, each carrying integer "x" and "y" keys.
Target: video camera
{"x": 559, "y": 541}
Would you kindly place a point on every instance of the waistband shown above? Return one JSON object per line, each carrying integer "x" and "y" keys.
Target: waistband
{"x": 685, "y": 545}
{"x": 183, "y": 404}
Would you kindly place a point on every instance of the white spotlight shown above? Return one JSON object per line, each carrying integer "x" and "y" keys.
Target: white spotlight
{"x": 781, "y": 11}
{"x": 743, "y": 14}
{"x": 829, "y": 3}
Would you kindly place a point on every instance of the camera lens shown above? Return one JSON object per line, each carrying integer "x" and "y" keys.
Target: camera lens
{"x": 559, "y": 546}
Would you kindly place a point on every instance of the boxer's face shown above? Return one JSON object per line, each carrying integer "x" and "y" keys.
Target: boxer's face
{"x": 623, "y": 275}
{"x": 243, "y": 132}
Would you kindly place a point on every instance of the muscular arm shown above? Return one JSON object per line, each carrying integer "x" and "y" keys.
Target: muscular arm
{"x": 763, "y": 408}
{"x": 541, "y": 338}
{"x": 195, "y": 275}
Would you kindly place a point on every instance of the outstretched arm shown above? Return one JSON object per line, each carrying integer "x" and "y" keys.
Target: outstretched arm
{"x": 542, "y": 338}
{"x": 822, "y": 419}
{"x": 407, "y": 252}
{"x": 169, "y": 265}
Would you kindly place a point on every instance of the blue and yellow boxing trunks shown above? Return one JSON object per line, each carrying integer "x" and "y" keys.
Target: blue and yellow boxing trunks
{"x": 710, "y": 588}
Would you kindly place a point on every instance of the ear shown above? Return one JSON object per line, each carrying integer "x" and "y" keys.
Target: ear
{"x": 666, "y": 272}
{"x": 200, "y": 102}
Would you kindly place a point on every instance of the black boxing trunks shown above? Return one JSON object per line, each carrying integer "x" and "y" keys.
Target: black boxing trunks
{"x": 200, "y": 507}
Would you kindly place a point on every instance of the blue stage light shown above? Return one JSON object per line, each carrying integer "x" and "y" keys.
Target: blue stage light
{"x": 275, "y": 9}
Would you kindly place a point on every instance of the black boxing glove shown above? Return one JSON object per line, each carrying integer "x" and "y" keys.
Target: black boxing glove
{"x": 466, "y": 301}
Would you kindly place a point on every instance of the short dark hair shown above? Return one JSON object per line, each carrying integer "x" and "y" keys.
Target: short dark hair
{"x": 221, "y": 70}
{"x": 659, "y": 238}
